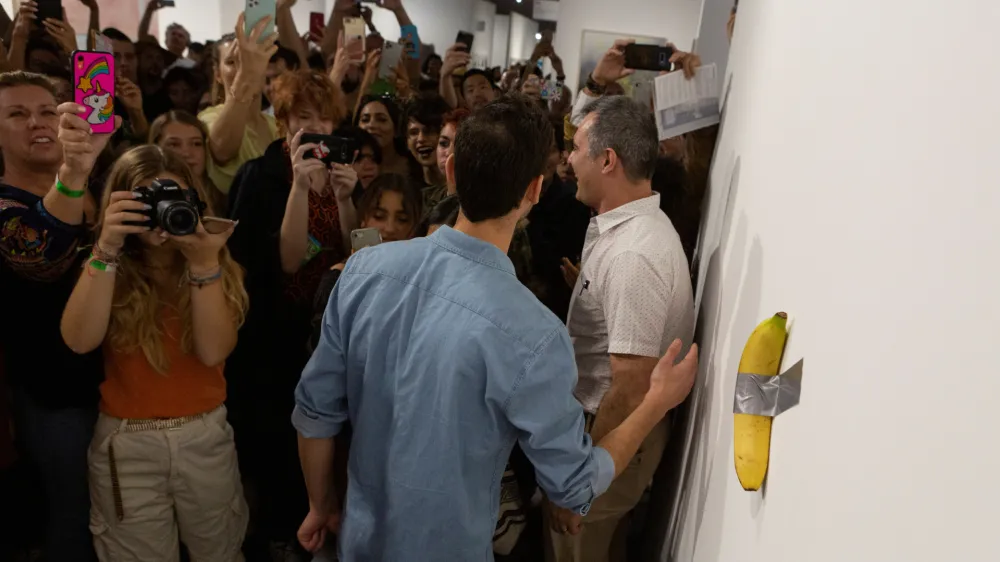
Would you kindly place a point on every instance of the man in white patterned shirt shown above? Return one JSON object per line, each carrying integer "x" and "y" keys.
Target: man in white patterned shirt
{"x": 632, "y": 298}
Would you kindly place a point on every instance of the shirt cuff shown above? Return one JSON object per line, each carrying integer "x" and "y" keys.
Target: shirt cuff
{"x": 605, "y": 471}
{"x": 312, "y": 426}
{"x": 53, "y": 221}
{"x": 636, "y": 347}
{"x": 582, "y": 100}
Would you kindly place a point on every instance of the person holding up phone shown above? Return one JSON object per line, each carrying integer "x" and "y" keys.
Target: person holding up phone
{"x": 238, "y": 131}
{"x": 296, "y": 216}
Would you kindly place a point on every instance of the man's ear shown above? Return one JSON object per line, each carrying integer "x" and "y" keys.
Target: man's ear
{"x": 610, "y": 160}
{"x": 449, "y": 170}
{"x": 534, "y": 192}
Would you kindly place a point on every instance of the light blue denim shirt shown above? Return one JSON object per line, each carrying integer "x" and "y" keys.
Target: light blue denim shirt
{"x": 441, "y": 360}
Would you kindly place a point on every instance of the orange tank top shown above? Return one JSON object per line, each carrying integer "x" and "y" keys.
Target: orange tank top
{"x": 133, "y": 389}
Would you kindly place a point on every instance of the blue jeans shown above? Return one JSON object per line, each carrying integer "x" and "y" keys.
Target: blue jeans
{"x": 56, "y": 442}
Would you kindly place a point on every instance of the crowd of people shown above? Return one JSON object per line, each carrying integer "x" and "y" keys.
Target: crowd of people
{"x": 492, "y": 380}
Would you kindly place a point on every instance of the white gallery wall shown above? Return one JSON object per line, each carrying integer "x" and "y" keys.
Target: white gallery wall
{"x": 522, "y": 38}
{"x": 677, "y": 20}
{"x": 483, "y": 14}
{"x": 501, "y": 41}
{"x": 863, "y": 202}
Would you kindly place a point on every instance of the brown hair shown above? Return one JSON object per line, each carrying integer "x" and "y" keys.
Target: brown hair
{"x": 218, "y": 88}
{"x": 22, "y": 78}
{"x": 307, "y": 87}
{"x": 455, "y": 117}
{"x": 412, "y": 203}
{"x": 212, "y": 193}
{"x": 135, "y": 309}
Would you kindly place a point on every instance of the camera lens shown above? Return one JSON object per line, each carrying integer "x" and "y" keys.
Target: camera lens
{"x": 179, "y": 218}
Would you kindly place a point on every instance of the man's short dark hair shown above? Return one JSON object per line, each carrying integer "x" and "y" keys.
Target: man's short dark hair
{"x": 499, "y": 151}
{"x": 115, "y": 34}
{"x": 626, "y": 127}
{"x": 428, "y": 109}
{"x": 196, "y": 48}
{"x": 290, "y": 57}
{"x": 477, "y": 72}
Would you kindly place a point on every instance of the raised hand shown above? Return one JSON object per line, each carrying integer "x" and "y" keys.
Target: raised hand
{"x": 80, "y": 146}
{"x": 253, "y": 51}
{"x": 62, "y": 32}
{"x": 456, "y": 56}
{"x": 26, "y": 14}
{"x": 124, "y": 208}
{"x": 129, "y": 94}
{"x": 688, "y": 62}
{"x": 202, "y": 248}
{"x": 344, "y": 179}
{"x": 611, "y": 67}
{"x": 308, "y": 174}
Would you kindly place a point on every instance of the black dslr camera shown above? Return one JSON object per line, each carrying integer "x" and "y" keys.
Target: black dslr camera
{"x": 175, "y": 210}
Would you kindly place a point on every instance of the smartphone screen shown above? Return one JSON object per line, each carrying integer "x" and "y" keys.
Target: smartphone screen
{"x": 411, "y": 41}
{"x": 257, "y": 10}
{"x": 94, "y": 89}
{"x": 167, "y": 3}
{"x": 391, "y": 53}
{"x": 365, "y": 237}
{"x": 648, "y": 57}
{"x": 317, "y": 25}
{"x": 331, "y": 149}
{"x": 354, "y": 29}
{"x": 465, "y": 38}
{"x": 49, "y": 9}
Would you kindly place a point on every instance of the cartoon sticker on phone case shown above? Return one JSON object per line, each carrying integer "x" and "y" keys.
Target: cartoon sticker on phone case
{"x": 100, "y": 102}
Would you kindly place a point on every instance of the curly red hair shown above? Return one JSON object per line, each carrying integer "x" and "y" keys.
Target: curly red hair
{"x": 307, "y": 87}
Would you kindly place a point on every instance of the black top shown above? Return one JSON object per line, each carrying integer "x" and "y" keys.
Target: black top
{"x": 40, "y": 261}
{"x": 272, "y": 348}
{"x": 557, "y": 227}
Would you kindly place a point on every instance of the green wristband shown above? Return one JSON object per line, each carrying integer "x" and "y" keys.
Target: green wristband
{"x": 72, "y": 193}
{"x": 97, "y": 264}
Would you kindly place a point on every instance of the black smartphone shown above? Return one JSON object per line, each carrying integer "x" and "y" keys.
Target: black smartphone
{"x": 49, "y": 9}
{"x": 167, "y": 3}
{"x": 465, "y": 38}
{"x": 331, "y": 149}
{"x": 648, "y": 57}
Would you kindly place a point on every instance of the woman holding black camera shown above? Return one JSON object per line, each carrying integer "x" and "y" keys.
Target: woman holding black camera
{"x": 166, "y": 309}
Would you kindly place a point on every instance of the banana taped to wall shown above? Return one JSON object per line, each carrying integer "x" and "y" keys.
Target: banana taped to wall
{"x": 761, "y": 393}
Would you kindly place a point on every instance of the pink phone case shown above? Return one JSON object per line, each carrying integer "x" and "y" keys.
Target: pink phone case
{"x": 94, "y": 89}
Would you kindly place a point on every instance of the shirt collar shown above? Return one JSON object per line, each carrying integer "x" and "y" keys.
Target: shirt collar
{"x": 614, "y": 217}
{"x": 472, "y": 248}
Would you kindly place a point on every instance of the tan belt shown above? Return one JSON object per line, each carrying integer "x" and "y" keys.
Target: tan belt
{"x": 132, "y": 426}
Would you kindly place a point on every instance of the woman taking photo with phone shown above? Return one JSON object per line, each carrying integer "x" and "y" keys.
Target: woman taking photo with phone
{"x": 238, "y": 131}
{"x": 166, "y": 309}
{"x": 296, "y": 217}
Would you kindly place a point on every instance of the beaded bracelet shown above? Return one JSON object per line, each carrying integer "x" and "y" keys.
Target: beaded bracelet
{"x": 103, "y": 255}
{"x": 71, "y": 193}
{"x": 201, "y": 281}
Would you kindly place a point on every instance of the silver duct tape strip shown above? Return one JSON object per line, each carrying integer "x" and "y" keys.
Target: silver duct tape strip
{"x": 762, "y": 395}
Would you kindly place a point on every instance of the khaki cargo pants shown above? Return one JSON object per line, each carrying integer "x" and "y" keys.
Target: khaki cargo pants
{"x": 602, "y": 538}
{"x": 173, "y": 479}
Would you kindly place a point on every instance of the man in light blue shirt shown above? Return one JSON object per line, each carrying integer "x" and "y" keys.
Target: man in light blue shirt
{"x": 440, "y": 360}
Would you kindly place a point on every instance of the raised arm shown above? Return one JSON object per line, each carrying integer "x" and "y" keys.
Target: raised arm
{"x": 26, "y": 14}
{"x": 456, "y": 56}
{"x": 288, "y": 35}
{"x": 94, "y": 23}
{"x": 251, "y": 55}
{"x": 307, "y": 175}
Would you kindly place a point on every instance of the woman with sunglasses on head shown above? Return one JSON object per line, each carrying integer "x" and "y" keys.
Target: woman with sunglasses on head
{"x": 164, "y": 299}
{"x": 238, "y": 130}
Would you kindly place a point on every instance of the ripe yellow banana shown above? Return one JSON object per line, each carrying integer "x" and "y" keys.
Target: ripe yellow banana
{"x": 752, "y": 434}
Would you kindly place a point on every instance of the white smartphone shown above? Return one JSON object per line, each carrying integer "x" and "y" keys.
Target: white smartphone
{"x": 365, "y": 237}
{"x": 354, "y": 29}
{"x": 391, "y": 53}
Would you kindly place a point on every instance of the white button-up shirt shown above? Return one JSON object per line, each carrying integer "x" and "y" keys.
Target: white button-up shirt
{"x": 633, "y": 296}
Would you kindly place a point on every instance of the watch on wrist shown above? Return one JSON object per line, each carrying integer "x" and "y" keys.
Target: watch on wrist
{"x": 594, "y": 87}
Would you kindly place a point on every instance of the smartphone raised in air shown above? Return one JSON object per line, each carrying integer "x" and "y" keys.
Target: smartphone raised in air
{"x": 648, "y": 57}
{"x": 331, "y": 149}
{"x": 354, "y": 30}
{"x": 167, "y": 3}
{"x": 365, "y": 237}
{"x": 317, "y": 25}
{"x": 465, "y": 38}
{"x": 94, "y": 89}
{"x": 49, "y": 10}
{"x": 391, "y": 53}
{"x": 257, "y": 10}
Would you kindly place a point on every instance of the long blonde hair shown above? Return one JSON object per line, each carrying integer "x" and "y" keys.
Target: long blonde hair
{"x": 215, "y": 197}
{"x": 135, "y": 309}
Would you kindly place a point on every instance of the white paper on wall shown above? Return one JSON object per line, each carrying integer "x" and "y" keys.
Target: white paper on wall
{"x": 684, "y": 105}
